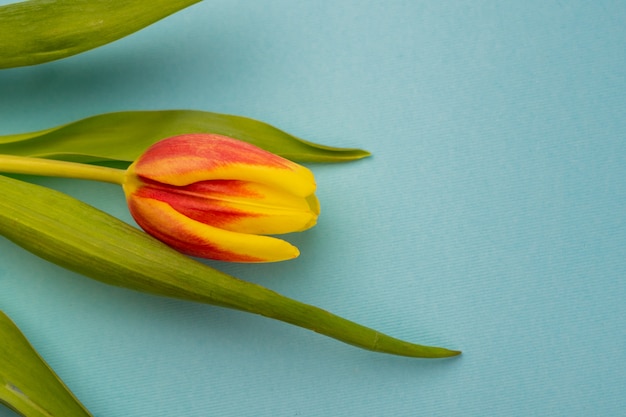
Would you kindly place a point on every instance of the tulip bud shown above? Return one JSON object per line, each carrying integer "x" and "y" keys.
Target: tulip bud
{"x": 215, "y": 197}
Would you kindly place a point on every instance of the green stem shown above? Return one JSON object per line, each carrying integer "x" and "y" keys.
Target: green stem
{"x": 53, "y": 168}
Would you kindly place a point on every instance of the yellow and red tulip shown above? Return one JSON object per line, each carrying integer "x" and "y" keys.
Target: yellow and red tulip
{"x": 215, "y": 197}
{"x": 206, "y": 194}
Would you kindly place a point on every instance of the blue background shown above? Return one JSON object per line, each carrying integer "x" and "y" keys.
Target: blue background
{"x": 491, "y": 217}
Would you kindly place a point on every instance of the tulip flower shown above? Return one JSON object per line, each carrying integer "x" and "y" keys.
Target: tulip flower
{"x": 215, "y": 197}
{"x": 206, "y": 195}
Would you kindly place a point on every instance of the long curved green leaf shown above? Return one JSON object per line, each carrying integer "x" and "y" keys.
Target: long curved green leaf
{"x": 38, "y": 31}
{"x": 123, "y": 136}
{"x": 79, "y": 237}
{"x": 27, "y": 384}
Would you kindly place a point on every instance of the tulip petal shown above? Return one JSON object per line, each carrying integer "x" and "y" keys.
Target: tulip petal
{"x": 197, "y": 239}
{"x": 185, "y": 159}
{"x": 238, "y": 206}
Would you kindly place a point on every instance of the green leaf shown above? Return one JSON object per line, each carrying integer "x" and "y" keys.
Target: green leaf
{"x": 27, "y": 384}
{"x": 123, "y": 136}
{"x": 79, "y": 237}
{"x": 38, "y": 31}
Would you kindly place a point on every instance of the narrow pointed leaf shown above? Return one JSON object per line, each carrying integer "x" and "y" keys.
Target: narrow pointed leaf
{"x": 123, "y": 136}
{"x": 27, "y": 384}
{"x": 38, "y": 31}
{"x": 83, "y": 239}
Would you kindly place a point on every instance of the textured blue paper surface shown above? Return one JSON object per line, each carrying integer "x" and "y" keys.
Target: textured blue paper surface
{"x": 491, "y": 217}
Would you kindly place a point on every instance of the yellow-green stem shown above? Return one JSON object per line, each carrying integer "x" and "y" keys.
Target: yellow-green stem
{"x": 53, "y": 168}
